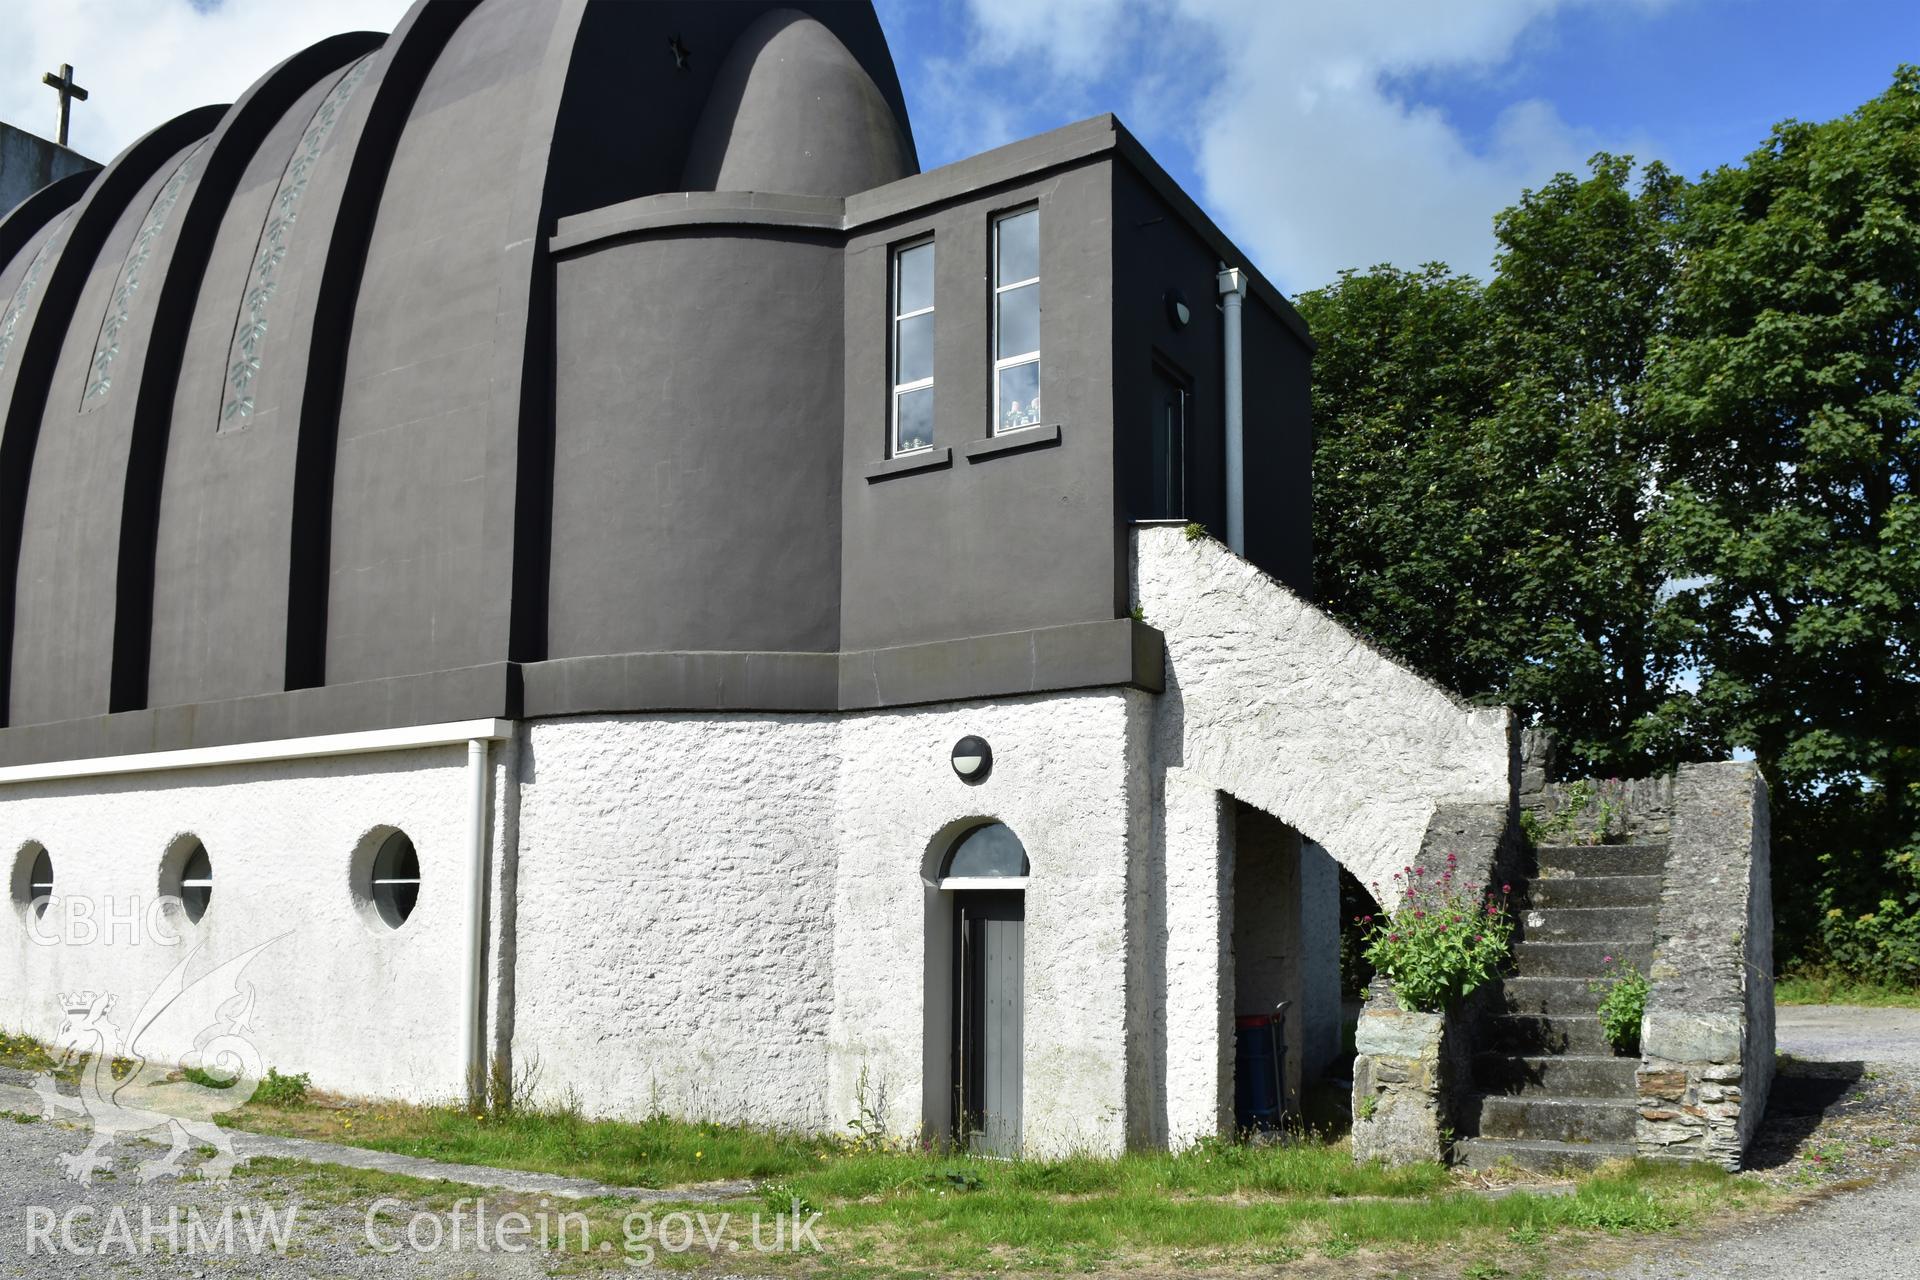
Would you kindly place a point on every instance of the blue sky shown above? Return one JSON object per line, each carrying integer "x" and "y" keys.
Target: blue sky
{"x": 1321, "y": 133}
{"x": 1326, "y": 135}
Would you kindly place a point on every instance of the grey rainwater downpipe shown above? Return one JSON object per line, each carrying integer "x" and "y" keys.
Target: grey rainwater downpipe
{"x": 1233, "y": 292}
{"x": 473, "y": 1022}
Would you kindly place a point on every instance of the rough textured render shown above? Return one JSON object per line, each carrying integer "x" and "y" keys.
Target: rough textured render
{"x": 734, "y": 916}
{"x": 1193, "y": 1026}
{"x": 1278, "y": 704}
{"x": 1061, "y": 780}
{"x": 1707, "y": 1045}
{"x": 361, "y": 1007}
{"x": 674, "y": 932}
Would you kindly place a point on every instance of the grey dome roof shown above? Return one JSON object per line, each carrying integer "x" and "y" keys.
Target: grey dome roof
{"x": 277, "y": 382}
{"x": 793, "y": 111}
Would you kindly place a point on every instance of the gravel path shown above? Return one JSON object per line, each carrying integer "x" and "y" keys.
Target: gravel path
{"x": 1870, "y": 1234}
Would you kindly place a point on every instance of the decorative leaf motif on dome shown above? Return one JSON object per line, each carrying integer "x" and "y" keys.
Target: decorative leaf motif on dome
{"x": 10, "y": 318}
{"x": 250, "y": 328}
{"x": 106, "y": 348}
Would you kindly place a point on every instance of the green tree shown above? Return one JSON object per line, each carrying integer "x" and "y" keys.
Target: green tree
{"x": 1409, "y": 536}
{"x": 1485, "y": 470}
{"x": 1583, "y": 286}
{"x": 1787, "y": 391}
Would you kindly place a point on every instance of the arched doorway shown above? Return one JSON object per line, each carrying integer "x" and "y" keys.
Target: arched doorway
{"x": 985, "y": 873}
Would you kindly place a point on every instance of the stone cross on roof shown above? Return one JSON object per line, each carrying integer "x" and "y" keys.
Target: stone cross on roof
{"x": 69, "y": 91}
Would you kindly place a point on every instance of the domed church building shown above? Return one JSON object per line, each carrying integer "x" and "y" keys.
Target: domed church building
{"x": 546, "y": 538}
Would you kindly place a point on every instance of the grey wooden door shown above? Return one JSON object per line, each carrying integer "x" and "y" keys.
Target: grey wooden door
{"x": 989, "y": 971}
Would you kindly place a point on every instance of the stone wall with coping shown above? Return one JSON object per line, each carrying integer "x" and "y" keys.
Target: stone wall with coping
{"x": 1410, "y": 1072}
{"x": 1707, "y": 1040}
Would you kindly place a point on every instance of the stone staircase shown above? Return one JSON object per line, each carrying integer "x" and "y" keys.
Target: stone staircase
{"x": 1549, "y": 1091}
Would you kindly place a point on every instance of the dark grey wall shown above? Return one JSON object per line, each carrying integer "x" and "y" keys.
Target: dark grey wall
{"x": 215, "y": 536}
{"x": 793, "y": 111}
{"x": 647, "y": 468}
{"x": 1279, "y": 446}
{"x": 65, "y": 593}
{"x": 1157, "y": 250}
{"x": 696, "y": 495}
{"x": 410, "y": 584}
{"x": 29, "y": 162}
{"x": 627, "y": 120}
{"x": 1004, "y": 541}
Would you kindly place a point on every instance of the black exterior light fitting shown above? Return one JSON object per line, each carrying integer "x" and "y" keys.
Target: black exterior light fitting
{"x": 1178, "y": 314}
{"x": 972, "y": 760}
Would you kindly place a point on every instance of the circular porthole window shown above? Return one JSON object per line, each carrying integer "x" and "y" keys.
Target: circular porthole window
{"x": 187, "y": 874}
{"x": 395, "y": 886}
{"x": 33, "y": 879}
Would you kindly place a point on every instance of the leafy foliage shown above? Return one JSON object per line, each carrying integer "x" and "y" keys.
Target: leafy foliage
{"x": 1653, "y": 486}
{"x": 1788, "y": 390}
{"x": 277, "y": 1090}
{"x": 1623, "y": 1003}
{"x": 1440, "y": 943}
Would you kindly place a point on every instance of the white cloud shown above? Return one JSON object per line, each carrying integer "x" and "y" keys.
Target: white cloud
{"x": 1309, "y": 144}
{"x": 145, "y": 61}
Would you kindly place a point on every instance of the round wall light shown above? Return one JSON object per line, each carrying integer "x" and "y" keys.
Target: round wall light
{"x": 972, "y": 760}
{"x": 1178, "y": 314}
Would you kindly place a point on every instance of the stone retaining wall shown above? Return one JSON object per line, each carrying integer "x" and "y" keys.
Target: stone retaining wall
{"x": 1707, "y": 1046}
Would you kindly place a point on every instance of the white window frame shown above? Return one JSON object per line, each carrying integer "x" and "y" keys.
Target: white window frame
{"x": 1029, "y": 357}
{"x": 893, "y": 355}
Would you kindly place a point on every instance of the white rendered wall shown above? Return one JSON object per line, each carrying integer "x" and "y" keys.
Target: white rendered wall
{"x": 361, "y": 1007}
{"x": 729, "y": 915}
{"x": 675, "y": 914}
{"x": 1279, "y": 705}
{"x": 1061, "y": 780}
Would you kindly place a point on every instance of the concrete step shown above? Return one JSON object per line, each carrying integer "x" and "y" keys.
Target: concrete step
{"x": 1601, "y": 859}
{"x": 1538, "y": 1155}
{"x": 1590, "y": 924}
{"x": 1557, "y": 1119}
{"x": 1536, "y": 1033}
{"x": 1558, "y": 1075}
{"x": 1577, "y": 959}
{"x": 1553, "y": 997}
{"x": 1553, "y": 892}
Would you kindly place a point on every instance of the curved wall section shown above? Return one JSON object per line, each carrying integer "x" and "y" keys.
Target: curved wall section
{"x": 48, "y": 676}
{"x": 697, "y": 448}
{"x": 408, "y": 581}
{"x": 69, "y": 543}
{"x": 793, "y": 111}
{"x": 219, "y": 560}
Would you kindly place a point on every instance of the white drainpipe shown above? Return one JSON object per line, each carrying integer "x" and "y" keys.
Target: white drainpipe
{"x": 473, "y": 1021}
{"x": 1233, "y": 291}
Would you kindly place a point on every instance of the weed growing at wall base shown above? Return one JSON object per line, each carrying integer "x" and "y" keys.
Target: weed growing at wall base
{"x": 1623, "y": 1003}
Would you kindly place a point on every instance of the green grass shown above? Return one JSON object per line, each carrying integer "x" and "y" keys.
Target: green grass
{"x": 885, "y": 1211}
{"x": 1013, "y": 1217}
{"x": 1815, "y": 986}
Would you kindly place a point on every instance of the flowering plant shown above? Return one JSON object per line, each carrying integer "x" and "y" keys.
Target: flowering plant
{"x": 1441, "y": 942}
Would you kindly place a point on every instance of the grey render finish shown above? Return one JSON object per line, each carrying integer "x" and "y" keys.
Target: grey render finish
{"x": 29, "y": 162}
{"x": 543, "y": 422}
